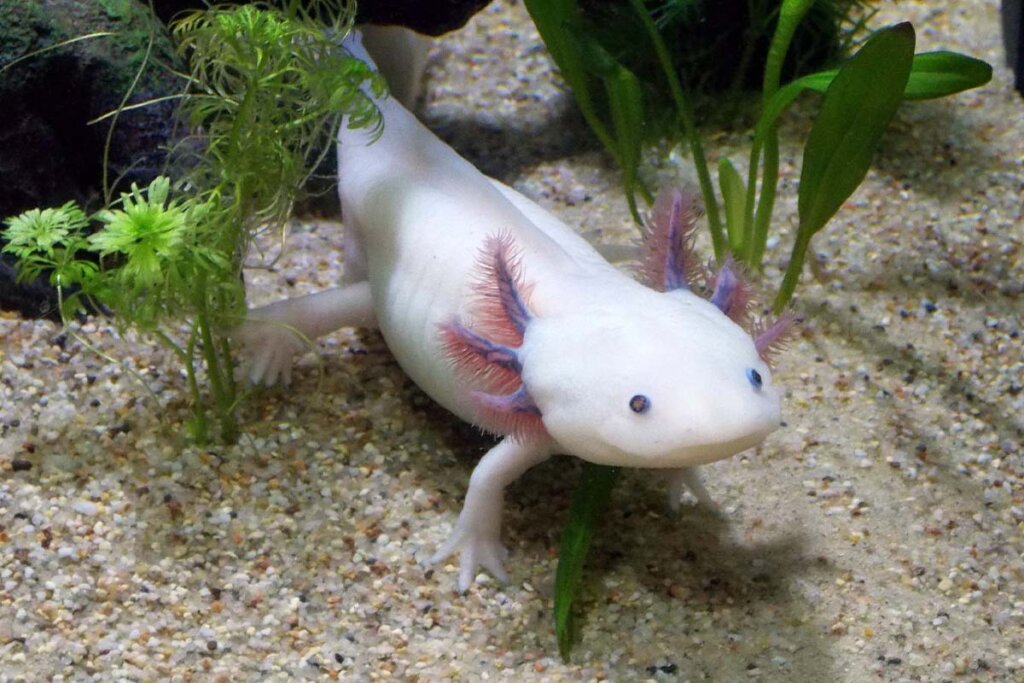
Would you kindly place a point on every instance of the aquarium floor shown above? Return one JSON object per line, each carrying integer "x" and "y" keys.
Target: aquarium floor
{"x": 877, "y": 536}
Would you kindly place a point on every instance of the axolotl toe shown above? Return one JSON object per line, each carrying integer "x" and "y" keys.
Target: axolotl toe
{"x": 505, "y": 316}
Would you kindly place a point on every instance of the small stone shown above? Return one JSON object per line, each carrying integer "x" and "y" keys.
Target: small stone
{"x": 85, "y": 507}
{"x": 21, "y": 465}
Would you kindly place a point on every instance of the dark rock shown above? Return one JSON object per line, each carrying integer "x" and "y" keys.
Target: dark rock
{"x": 30, "y": 299}
{"x": 431, "y": 18}
{"x": 51, "y": 152}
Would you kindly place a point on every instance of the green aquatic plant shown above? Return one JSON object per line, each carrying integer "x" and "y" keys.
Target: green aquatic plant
{"x": 267, "y": 89}
{"x": 859, "y": 98}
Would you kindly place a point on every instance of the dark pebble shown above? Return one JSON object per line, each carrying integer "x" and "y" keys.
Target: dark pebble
{"x": 211, "y": 645}
{"x": 122, "y": 428}
{"x": 21, "y": 465}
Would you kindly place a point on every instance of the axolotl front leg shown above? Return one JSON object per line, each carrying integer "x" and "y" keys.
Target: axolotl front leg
{"x": 477, "y": 533}
{"x": 273, "y": 334}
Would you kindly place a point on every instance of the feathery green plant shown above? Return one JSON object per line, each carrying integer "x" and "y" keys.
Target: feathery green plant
{"x": 267, "y": 91}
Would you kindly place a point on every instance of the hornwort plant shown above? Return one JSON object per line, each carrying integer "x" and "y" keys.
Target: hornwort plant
{"x": 267, "y": 91}
{"x": 860, "y": 97}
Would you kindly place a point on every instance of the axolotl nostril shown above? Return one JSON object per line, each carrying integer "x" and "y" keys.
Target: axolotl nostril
{"x": 508, "y": 318}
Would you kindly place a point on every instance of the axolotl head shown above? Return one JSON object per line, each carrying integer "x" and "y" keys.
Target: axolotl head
{"x": 663, "y": 380}
{"x": 642, "y": 376}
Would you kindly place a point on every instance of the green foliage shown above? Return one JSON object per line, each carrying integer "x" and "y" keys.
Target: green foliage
{"x": 932, "y": 75}
{"x": 859, "y": 100}
{"x": 267, "y": 91}
{"x": 591, "y": 499}
{"x": 856, "y": 109}
{"x": 49, "y": 241}
{"x": 146, "y": 232}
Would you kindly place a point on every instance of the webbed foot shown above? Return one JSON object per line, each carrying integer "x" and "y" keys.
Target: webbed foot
{"x": 477, "y": 548}
{"x": 269, "y": 349}
{"x": 687, "y": 479}
{"x": 273, "y": 334}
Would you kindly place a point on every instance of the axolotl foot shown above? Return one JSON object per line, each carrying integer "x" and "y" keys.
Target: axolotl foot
{"x": 272, "y": 335}
{"x": 688, "y": 478}
{"x": 269, "y": 349}
{"x": 477, "y": 547}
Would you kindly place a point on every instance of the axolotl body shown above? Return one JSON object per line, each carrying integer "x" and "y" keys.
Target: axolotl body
{"x": 509, "y": 319}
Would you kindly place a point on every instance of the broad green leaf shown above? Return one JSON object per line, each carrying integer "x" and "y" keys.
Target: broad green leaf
{"x": 855, "y": 111}
{"x": 591, "y": 499}
{"x": 932, "y": 75}
{"x": 733, "y": 198}
{"x": 584, "y": 63}
{"x": 857, "y": 107}
{"x": 942, "y": 73}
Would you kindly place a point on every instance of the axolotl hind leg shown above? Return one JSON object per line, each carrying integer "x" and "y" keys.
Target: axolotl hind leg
{"x": 273, "y": 334}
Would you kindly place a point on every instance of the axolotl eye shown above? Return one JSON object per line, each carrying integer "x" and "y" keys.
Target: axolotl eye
{"x": 755, "y": 378}
{"x": 640, "y": 404}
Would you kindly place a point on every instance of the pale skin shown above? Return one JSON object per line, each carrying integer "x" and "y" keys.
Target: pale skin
{"x": 506, "y": 317}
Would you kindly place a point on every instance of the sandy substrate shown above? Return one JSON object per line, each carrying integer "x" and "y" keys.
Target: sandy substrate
{"x": 878, "y": 536}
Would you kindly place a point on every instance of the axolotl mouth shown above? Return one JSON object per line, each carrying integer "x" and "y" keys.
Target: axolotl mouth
{"x": 656, "y": 455}
{"x": 680, "y": 445}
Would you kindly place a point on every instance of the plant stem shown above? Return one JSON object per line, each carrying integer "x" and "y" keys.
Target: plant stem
{"x": 793, "y": 270}
{"x": 229, "y": 376}
{"x": 791, "y": 13}
{"x": 223, "y": 399}
{"x": 758, "y": 238}
{"x": 199, "y": 421}
{"x": 689, "y": 129}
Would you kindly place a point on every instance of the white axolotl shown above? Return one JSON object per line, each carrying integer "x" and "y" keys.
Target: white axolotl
{"x": 512, "y": 321}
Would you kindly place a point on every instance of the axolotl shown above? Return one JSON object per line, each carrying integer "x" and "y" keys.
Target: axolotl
{"x": 515, "y": 323}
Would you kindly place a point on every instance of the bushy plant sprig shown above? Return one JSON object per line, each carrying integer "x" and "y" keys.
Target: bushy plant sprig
{"x": 267, "y": 89}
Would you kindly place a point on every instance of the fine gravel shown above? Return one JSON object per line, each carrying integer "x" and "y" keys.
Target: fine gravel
{"x": 877, "y": 536}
